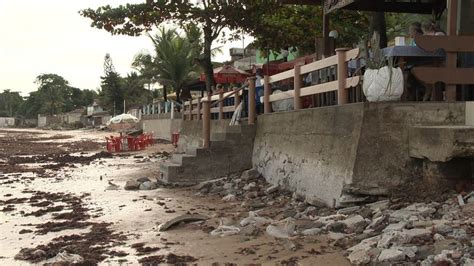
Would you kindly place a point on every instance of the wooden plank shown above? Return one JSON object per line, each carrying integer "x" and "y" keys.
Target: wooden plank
{"x": 226, "y": 109}
{"x": 330, "y": 61}
{"x": 450, "y": 76}
{"x": 283, "y": 75}
{"x": 448, "y": 43}
{"x": 315, "y": 89}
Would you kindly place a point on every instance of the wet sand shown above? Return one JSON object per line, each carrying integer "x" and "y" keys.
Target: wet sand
{"x": 134, "y": 215}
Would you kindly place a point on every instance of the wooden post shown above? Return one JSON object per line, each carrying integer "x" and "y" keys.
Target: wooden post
{"x": 267, "y": 108}
{"x": 206, "y": 121}
{"x": 236, "y": 98}
{"x": 191, "y": 109}
{"x": 221, "y": 105}
{"x": 297, "y": 87}
{"x": 199, "y": 109}
{"x": 251, "y": 101}
{"x": 341, "y": 76}
{"x": 451, "y": 57}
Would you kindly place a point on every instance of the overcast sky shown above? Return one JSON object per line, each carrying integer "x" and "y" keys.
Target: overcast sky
{"x": 49, "y": 36}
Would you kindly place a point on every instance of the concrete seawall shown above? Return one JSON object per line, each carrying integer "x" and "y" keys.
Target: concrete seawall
{"x": 325, "y": 152}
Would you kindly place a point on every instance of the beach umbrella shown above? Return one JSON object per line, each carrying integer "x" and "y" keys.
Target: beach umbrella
{"x": 122, "y": 122}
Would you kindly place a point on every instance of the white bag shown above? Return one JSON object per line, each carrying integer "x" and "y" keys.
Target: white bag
{"x": 384, "y": 84}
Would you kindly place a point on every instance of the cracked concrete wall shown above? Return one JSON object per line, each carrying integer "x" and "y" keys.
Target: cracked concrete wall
{"x": 191, "y": 132}
{"x": 310, "y": 151}
{"x": 322, "y": 152}
{"x": 382, "y": 159}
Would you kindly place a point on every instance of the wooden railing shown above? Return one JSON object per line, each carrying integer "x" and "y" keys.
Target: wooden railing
{"x": 339, "y": 85}
{"x": 203, "y": 108}
{"x": 452, "y": 44}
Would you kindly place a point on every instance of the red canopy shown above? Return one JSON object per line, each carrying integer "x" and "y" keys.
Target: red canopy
{"x": 228, "y": 74}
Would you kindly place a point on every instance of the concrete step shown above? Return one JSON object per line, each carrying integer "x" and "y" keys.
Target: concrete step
{"x": 180, "y": 158}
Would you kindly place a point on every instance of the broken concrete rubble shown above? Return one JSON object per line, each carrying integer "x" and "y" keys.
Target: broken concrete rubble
{"x": 377, "y": 231}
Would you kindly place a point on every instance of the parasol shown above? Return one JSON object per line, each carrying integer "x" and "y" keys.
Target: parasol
{"x": 122, "y": 122}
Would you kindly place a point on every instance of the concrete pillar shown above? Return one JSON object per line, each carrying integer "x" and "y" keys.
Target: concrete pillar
{"x": 206, "y": 121}
{"x": 199, "y": 108}
{"x": 159, "y": 108}
{"x": 267, "y": 108}
{"x": 297, "y": 87}
{"x": 191, "y": 109}
{"x": 251, "y": 101}
{"x": 342, "y": 95}
{"x": 172, "y": 110}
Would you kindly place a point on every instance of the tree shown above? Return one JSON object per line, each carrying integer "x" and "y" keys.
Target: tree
{"x": 298, "y": 26}
{"x": 52, "y": 91}
{"x": 10, "y": 103}
{"x": 112, "y": 93}
{"x": 173, "y": 64}
{"x": 211, "y": 15}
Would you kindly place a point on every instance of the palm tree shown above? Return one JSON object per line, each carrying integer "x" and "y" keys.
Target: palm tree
{"x": 173, "y": 63}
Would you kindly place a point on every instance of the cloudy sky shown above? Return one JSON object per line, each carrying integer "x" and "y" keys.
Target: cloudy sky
{"x": 49, "y": 36}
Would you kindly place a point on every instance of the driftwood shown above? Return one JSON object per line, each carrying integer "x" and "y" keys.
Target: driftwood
{"x": 186, "y": 218}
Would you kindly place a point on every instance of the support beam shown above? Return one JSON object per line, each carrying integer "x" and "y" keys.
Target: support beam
{"x": 251, "y": 101}
{"x": 297, "y": 87}
{"x": 206, "y": 121}
{"x": 342, "y": 95}
{"x": 266, "y": 95}
{"x": 451, "y": 57}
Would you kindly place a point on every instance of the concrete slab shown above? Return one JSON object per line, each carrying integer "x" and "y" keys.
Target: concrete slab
{"x": 441, "y": 143}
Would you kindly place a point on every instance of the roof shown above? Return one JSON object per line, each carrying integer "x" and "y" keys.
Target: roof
{"x": 399, "y": 6}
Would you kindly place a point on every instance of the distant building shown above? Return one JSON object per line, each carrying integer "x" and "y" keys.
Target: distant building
{"x": 7, "y": 122}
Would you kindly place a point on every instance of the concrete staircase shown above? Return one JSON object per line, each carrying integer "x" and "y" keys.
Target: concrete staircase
{"x": 229, "y": 152}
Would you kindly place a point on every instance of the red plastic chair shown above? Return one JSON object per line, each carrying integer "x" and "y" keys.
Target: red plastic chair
{"x": 117, "y": 142}
{"x": 131, "y": 143}
{"x": 109, "y": 144}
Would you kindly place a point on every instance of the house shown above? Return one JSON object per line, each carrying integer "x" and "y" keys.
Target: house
{"x": 73, "y": 117}
{"x": 96, "y": 116}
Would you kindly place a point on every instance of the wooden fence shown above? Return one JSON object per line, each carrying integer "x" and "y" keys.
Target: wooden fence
{"x": 226, "y": 102}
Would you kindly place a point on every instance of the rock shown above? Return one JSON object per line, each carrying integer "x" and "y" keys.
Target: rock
{"x": 395, "y": 227}
{"x": 249, "y": 186}
{"x": 225, "y": 230}
{"x": 337, "y": 227}
{"x": 417, "y": 233}
{"x": 284, "y": 229}
{"x": 355, "y": 223}
{"x": 64, "y": 258}
{"x": 458, "y": 234}
{"x": 227, "y": 186}
{"x": 350, "y": 199}
{"x": 31, "y": 254}
{"x": 132, "y": 185}
{"x": 446, "y": 244}
{"x": 442, "y": 229}
{"x": 148, "y": 185}
{"x": 336, "y": 236}
{"x": 391, "y": 255}
{"x": 348, "y": 210}
{"x": 362, "y": 256}
{"x": 250, "y": 230}
{"x": 393, "y": 238}
{"x": 216, "y": 189}
{"x": 401, "y": 215}
{"x": 249, "y": 175}
{"x": 310, "y": 211}
{"x": 366, "y": 244}
{"x": 377, "y": 222}
{"x": 230, "y": 197}
{"x": 438, "y": 237}
{"x": 311, "y": 232}
{"x": 272, "y": 189}
{"x": 289, "y": 245}
{"x": 380, "y": 205}
{"x": 251, "y": 195}
{"x": 143, "y": 179}
{"x": 254, "y": 219}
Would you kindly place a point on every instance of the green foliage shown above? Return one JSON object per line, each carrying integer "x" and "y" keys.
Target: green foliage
{"x": 54, "y": 95}
{"x": 116, "y": 89}
{"x": 211, "y": 16}
{"x": 10, "y": 103}
{"x": 173, "y": 64}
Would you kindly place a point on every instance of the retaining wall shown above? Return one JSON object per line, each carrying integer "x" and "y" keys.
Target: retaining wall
{"x": 322, "y": 153}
